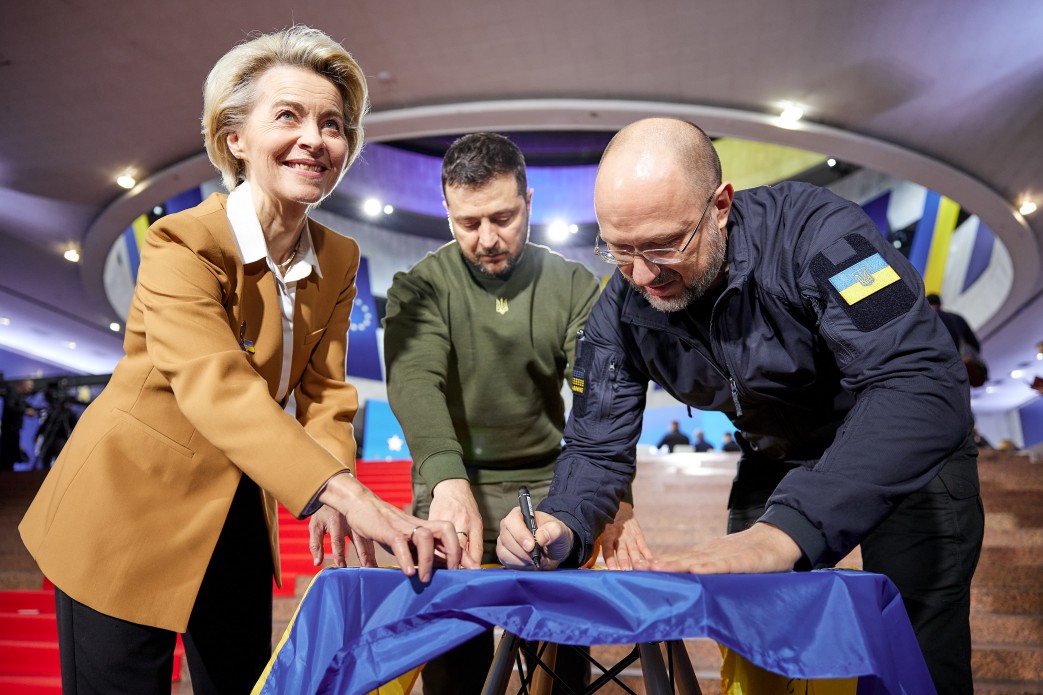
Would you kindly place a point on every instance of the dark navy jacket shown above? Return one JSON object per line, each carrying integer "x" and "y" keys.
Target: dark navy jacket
{"x": 866, "y": 393}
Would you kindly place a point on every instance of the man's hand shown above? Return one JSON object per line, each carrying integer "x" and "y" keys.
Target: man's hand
{"x": 412, "y": 541}
{"x": 759, "y": 549}
{"x": 623, "y": 541}
{"x": 515, "y": 543}
{"x": 453, "y": 501}
{"x": 329, "y": 520}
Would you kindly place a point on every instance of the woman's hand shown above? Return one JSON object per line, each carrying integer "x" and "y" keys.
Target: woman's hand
{"x": 411, "y": 540}
{"x": 329, "y": 520}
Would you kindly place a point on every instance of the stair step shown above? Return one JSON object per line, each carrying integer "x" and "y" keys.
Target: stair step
{"x": 1011, "y": 555}
{"x": 999, "y": 574}
{"x": 1007, "y": 662}
{"x": 1006, "y": 628}
{"x": 1007, "y": 687}
{"x": 1025, "y": 537}
{"x": 1005, "y": 599}
{"x": 37, "y": 627}
{"x": 27, "y": 601}
{"x": 23, "y": 658}
{"x": 31, "y": 685}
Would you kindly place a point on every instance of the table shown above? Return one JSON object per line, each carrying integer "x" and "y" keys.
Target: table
{"x": 358, "y": 628}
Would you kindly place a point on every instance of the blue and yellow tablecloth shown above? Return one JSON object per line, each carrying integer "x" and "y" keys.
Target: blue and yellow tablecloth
{"x": 358, "y": 628}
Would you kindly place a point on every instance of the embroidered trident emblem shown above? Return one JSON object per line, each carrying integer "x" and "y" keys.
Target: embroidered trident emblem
{"x": 501, "y": 305}
{"x": 865, "y": 278}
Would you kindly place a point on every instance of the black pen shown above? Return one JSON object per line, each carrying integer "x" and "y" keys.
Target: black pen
{"x": 525, "y": 502}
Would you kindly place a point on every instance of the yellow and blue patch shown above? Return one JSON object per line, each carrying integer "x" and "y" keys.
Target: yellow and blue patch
{"x": 868, "y": 276}
{"x": 577, "y": 383}
{"x": 866, "y": 287}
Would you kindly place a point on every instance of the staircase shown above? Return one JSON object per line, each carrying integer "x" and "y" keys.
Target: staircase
{"x": 1007, "y": 592}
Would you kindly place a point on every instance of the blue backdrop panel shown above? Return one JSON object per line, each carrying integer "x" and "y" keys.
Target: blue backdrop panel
{"x": 382, "y": 437}
{"x": 363, "y": 353}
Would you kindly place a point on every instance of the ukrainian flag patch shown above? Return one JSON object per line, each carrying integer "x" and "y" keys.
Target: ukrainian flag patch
{"x": 864, "y": 278}
{"x": 577, "y": 382}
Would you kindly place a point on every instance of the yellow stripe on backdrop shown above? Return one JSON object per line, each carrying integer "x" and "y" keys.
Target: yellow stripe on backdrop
{"x": 944, "y": 226}
{"x": 140, "y": 226}
{"x": 748, "y": 164}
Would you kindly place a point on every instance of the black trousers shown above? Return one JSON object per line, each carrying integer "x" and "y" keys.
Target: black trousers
{"x": 929, "y": 548}
{"x": 229, "y": 637}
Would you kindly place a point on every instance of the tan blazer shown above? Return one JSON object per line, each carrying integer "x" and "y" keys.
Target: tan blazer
{"x": 128, "y": 518}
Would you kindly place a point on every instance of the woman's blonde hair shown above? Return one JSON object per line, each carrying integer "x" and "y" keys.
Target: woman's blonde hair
{"x": 231, "y": 89}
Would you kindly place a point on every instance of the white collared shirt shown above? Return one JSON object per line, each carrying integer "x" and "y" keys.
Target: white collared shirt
{"x": 250, "y": 240}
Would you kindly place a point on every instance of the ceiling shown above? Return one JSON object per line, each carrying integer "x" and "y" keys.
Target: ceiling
{"x": 946, "y": 94}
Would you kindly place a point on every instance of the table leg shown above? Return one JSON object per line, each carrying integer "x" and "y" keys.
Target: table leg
{"x": 503, "y": 664}
{"x": 653, "y": 670}
{"x": 542, "y": 680}
{"x": 684, "y": 674}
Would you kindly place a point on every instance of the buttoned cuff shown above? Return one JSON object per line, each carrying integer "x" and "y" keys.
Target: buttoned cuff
{"x": 314, "y": 503}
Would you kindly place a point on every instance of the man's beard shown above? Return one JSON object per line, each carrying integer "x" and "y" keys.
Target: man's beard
{"x": 689, "y": 293}
{"x": 508, "y": 266}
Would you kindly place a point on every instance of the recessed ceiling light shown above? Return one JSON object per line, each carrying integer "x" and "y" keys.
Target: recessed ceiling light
{"x": 4, "y": 321}
{"x": 72, "y": 255}
{"x": 114, "y": 327}
{"x": 558, "y": 230}
{"x": 126, "y": 181}
{"x": 831, "y": 162}
{"x": 1017, "y": 374}
{"x": 71, "y": 344}
{"x": 1027, "y": 207}
{"x": 371, "y": 206}
{"x": 388, "y": 209}
{"x": 791, "y": 113}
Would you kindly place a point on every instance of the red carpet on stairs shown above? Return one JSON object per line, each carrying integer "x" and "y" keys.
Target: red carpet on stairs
{"x": 29, "y": 644}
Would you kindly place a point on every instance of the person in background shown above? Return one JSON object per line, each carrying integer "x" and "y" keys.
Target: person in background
{"x": 159, "y": 516}
{"x": 56, "y": 427}
{"x": 700, "y": 444}
{"x": 16, "y": 408}
{"x": 478, "y": 339}
{"x": 729, "y": 443}
{"x": 959, "y": 329}
{"x": 674, "y": 437}
{"x": 966, "y": 341}
{"x": 802, "y": 324}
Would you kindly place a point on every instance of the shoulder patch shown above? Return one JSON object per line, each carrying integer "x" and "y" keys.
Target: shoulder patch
{"x": 868, "y": 276}
{"x": 864, "y": 284}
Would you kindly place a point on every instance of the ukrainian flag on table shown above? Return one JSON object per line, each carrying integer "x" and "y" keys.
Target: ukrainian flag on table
{"x": 864, "y": 278}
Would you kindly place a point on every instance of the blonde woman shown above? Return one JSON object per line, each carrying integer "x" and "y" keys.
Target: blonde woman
{"x": 159, "y": 516}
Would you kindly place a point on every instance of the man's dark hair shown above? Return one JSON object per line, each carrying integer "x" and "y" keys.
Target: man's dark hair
{"x": 474, "y": 160}
{"x": 934, "y": 300}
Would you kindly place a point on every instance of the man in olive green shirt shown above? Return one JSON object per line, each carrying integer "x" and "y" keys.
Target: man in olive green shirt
{"x": 477, "y": 340}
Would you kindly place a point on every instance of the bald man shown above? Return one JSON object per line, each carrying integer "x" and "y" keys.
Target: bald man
{"x": 784, "y": 308}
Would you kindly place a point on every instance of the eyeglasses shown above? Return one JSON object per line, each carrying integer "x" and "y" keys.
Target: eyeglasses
{"x": 657, "y": 256}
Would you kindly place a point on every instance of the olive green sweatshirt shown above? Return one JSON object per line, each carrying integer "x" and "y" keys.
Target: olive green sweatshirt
{"x": 475, "y": 364}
